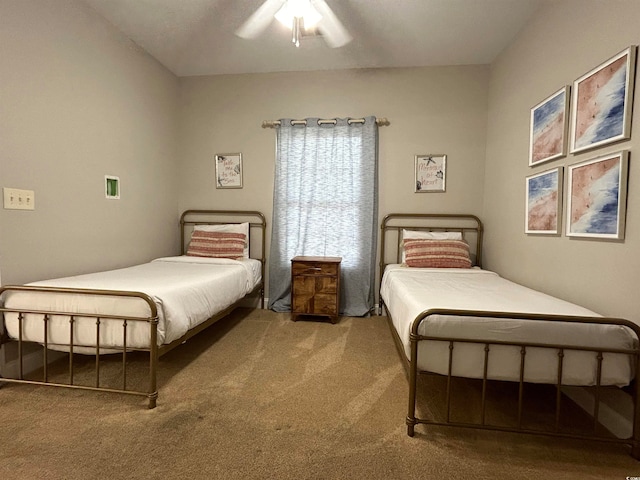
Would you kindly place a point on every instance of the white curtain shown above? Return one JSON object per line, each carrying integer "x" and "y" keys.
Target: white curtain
{"x": 326, "y": 204}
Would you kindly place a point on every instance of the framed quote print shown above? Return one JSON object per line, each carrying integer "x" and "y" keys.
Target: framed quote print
{"x": 430, "y": 173}
{"x": 229, "y": 170}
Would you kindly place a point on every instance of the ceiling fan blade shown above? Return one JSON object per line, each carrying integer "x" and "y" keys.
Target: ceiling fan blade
{"x": 260, "y": 19}
{"x": 334, "y": 32}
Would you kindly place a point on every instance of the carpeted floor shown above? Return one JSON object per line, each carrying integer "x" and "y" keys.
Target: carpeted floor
{"x": 258, "y": 396}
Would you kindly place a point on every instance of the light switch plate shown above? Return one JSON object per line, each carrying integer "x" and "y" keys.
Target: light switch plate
{"x": 17, "y": 199}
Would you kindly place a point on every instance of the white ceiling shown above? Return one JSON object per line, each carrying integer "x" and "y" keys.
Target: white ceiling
{"x": 196, "y": 37}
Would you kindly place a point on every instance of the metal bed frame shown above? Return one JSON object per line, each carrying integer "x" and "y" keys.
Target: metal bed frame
{"x": 471, "y": 226}
{"x": 188, "y": 220}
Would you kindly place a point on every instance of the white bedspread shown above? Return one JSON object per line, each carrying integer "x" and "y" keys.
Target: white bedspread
{"x": 407, "y": 292}
{"x": 187, "y": 291}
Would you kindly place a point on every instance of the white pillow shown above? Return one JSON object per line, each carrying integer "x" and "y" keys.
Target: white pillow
{"x": 229, "y": 227}
{"x": 429, "y": 236}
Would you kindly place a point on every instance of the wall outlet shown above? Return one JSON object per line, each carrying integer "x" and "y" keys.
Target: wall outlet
{"x": 16, "y": 199}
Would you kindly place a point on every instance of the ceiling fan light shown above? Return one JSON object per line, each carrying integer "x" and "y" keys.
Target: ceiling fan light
{"x": 298, "y": 9}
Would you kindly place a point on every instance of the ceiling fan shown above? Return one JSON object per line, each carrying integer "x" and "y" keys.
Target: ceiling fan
{"x": 297, "y": 15}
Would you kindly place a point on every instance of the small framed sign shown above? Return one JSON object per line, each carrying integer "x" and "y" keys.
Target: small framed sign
{"x": 430, "y": 173}
{"x": 112, "y": 187}
{"x": 229, "y": 170}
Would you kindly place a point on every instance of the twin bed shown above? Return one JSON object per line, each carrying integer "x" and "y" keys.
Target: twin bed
{"x": 448, "y": 316}
{"x": 152, "y": 307}
{"x": 451, "y": 318}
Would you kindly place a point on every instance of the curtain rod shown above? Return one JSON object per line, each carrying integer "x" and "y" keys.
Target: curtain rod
{"x": 381, "y": 122}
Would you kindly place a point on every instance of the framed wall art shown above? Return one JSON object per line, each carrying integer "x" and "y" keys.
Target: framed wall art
{"x": 549, "y": 126}
{"x": 544, "y": 202}
{"x": 597, "y": 197}
{"x": 229, "y": 170}
{"x": 602, "y": 101}
{"x": 430, "y": 173}
{"x": 112, "y": 187}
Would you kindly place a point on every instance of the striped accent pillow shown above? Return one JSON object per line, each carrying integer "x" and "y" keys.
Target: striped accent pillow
{"x": 427, "y": 253}
{"x": 217, "y": 244}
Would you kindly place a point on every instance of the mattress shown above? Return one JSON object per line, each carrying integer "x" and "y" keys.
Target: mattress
{"x": 407, "y": 292}
{"x": 186, "y": 290}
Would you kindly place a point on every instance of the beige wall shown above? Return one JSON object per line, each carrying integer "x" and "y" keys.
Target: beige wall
{"x": 565, "y": 40}
{"x": 431, "y": 110}
{"x": 79, "y": 102}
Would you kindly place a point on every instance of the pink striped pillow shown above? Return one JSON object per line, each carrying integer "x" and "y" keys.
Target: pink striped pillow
{"x": 420, "y": 252}
{"x": 217, "y": 244}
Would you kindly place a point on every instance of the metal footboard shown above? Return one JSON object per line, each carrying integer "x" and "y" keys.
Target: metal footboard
{"x": 82, "y": 318}
{"x": 415, "y": 338}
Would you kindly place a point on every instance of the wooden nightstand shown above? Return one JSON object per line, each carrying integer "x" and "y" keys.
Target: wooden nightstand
{"x": 315, "y": 286}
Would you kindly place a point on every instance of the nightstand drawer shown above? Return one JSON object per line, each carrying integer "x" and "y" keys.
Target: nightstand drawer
{"x": 314, "y": 268}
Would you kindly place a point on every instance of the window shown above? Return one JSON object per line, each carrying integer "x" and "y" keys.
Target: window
{"x": 325, "y": 204}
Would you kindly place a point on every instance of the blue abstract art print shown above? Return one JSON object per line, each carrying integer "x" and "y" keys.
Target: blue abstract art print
{"x": 544, "y": 202}
{"x": 596, "y": 200}
{"x": 601, "y": 103}
{"x": 549, "y": 124}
